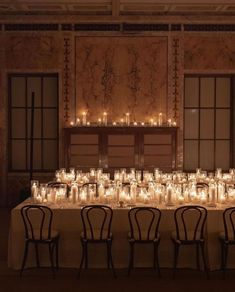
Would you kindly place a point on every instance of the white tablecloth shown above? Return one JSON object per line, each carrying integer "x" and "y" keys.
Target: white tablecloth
{"x": 67, "y": 221}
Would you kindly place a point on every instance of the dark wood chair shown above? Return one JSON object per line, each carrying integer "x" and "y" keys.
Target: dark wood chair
{"x": 96, "y": 221}
{"x": 57, "y": 185}
{"x": 190, "y": 222}
{"x": 227, "y": 237}
{"x": 144, "y": 226}
{"x": 37, "y": 221}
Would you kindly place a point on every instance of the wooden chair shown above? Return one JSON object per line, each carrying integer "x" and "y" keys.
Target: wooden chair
{"x": 144, "y": 226}
{"x": 37, "y": 221}
{"x": 190, "y": 222}
{"x": 227, "y": 237}
{"x": 96, "y": 221}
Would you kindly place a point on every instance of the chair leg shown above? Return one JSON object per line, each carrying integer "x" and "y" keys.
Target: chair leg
{"x": 50, "y": 247}
{"x": 24, "y": 258}
{"x": 82, "y": 260}
{"x": 222, "y": 255}
{"x": 197, "y": 256}
{"x": 108, "y": 256}
{"x": 156, "y": 258}
{"x": 37, "y": 255}
{"x": 202, "y": 245}
{"x": 131, "y": 259}
{"x": 57, "y": 253}
{"x": 225, "y": 259}
{"x": 86, "y": 255}
{"x": 109, "y": 245}
{"x": 176, "y": 254}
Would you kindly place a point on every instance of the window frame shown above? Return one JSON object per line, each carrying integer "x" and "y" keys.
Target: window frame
{"x": 214, "y": 108}
{"x": 27, "y": 126}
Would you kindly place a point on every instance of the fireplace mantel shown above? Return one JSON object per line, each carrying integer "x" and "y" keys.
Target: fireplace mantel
{"x": 111, "y": 147}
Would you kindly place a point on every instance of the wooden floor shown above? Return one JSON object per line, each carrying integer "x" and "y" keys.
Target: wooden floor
{"x": 144, "y": 280}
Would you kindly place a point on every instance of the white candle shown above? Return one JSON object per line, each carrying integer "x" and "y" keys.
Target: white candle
{"x": 101, "y": 191}
{"x": 169, "y": 195}
{"x": 105, "y": 118}
{"x": 83, "y": 196}
{"x": 78, "y": 121}
{"x": 160, "y": 119}
{"x": 84, "y": 114}
{"x": 128, "y": 119}
{"x": 74, "y": 193}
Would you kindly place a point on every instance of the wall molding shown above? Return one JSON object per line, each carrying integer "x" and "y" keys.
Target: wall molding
{"x": 119, "y": 27}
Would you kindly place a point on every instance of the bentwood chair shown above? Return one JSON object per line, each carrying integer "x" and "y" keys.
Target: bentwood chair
{"x": 37, "y": 221}
{"x": 96, "y": 221}
{"x": 190, "y": 223}
{"x": 144, "y": 226}
{"x": 227, "y": 237}
{"x": 57, "y": 185}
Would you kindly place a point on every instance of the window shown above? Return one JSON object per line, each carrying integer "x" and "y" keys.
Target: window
{"x": 45, "y": 87}
{"x": 207, "y": 122}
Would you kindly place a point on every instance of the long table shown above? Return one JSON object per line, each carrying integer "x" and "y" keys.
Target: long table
{"x": 67, "y": 221}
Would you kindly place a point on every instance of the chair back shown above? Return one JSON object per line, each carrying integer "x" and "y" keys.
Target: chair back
{"x": 57, "y": 185}
{"x": 37, "y": 222}
{"x": 96, "y": 220}
{"x": 229, "y": 223}
{"x": 144, "y": 223}
{"x": 190, "y": 222}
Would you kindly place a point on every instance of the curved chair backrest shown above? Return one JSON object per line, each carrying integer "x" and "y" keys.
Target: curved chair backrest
{"x": 57, "y": 184}
{"x": 229, "y": 223}
{"x": 88, "y": 185}
{"x": 37, "y": 222}
{"x": 202, "y": 185}
{"x": 144, "y": 222}
{"x": 190, "y": 222}
{"x": 96, "y": 220}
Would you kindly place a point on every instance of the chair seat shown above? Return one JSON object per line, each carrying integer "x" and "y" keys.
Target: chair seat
{"x": 231, "y": 237}
{"x": 96, "y": 235}
{"x": 37, "y": 235}
{"x": 144, "y": 237}
{"x": 190, "y": 236}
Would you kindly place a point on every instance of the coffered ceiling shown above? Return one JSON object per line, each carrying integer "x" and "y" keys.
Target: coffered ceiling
{"x": 118, "y": 7}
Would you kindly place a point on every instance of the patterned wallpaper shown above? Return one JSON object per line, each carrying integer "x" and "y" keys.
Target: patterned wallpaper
{"x": 209, "y": 52}
{"x": 121, "y": 74}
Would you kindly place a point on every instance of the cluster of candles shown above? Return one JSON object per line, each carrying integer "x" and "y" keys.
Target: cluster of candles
{"x": 103, "y": 121}
{"x": 138, "y": 187}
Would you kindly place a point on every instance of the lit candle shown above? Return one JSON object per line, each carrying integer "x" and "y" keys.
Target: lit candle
{"x": 160, "y": 119}
{"x": 181, "y": 200}
{"x": 142, "y": 124}
{"x": 135, "y": 124}
{"x": 174, "y": 124}
{"x": 169, "y": 122}
{"x": 155, "y": 123}
{"x": 78, "y": 121}
{"x": 128, "y": 119}
{"x": 151, "y": 122}
{"x": 84, "y": 118}
{"x": 88, "y": 123}
{"x": 99, "y": 121}
{"x": 122, "y": 121}
{"x": 105, "y": 118}
{"x": 114, "y": 123}
{"x": 83, "y": 197}
{"x": 71, "y": 124}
